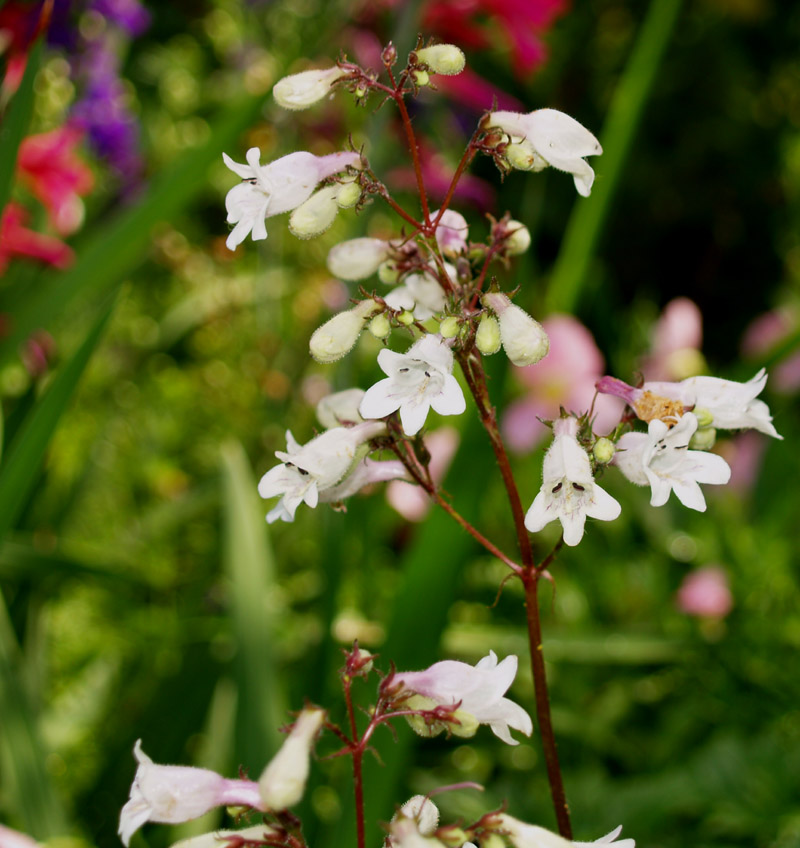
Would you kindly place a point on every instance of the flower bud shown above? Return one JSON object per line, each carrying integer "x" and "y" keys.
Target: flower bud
{"x": 423, "y": 811}
{"x": 315, "y": 215}
{"x": 388, "y": 273}
{"x": 519, "y": 240}
{"x": 418, "y": 723}
{"x": 448, "y": 329}
{"x": 604, "y": 450}
{"x": 380, "y": 327}
{"x": 524, "y": 339}
{"x": 348, "y": 195}
{"x": 703, "y": 439}
{"x": 283, "y": 781}
{"x": 487, "y": 339}
{"x": 299, "y": 91}
{"x": 442, "y": 59}
{"x": 704, "y": 417}
{"x": 389, "y": 54}
{"x": 337, "y": 336}
{"x": 522, "y": 156}
{"x": 421, "y": 78}
{"x": 492, "y": 840}
{"x": 452, "y": 836}
{"x": 406, "y": 318}
{"x": 465, "y": 726}
{"x": 340, "y": 409}
{"x": 357, "y": 259}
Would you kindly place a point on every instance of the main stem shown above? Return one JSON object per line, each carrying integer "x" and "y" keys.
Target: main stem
{"x": 358, "y": 756}
{"x": 476, "y": 380}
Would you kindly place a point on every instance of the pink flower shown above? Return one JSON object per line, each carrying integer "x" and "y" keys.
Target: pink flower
{"x": 49, "y": 166}
{"x": 705, "y": 593}
{"x": 17, "y": 240}
{"x": 565, "y": 377}
{"x": 14, "y": 839}
{"x": 678, "y": 335}
{"x": 763, "y": 335}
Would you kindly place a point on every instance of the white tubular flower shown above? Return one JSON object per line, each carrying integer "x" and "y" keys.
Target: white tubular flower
{"x": 299, "y": 91}
{"x": 423, "y": 811}
{"x": 174, "y": 794}
{"x": 337, "y": 336}
{"x": 216, "y": 838}
{"x": 365, "y": 473}
{"x": 283, "y": 781}
{"x": 444, "y": 59}
{"x": 523, "y": 835}
{"x": 278, "y": 187}
{"x": 524, "y": 339}
{"x": 340, "y": 409}
{"x": 568, "y": 491}
{"x": 662, "y": 459}
{"x": 307, "y": 470}
{"x": 421, "y": 293}
{"x": 358, "y": 258}
{"x": 452, "y": 232}
{"x": 480, "y": 690}
{"x": 417, "y": 380}
{"x": 609, "y": 839}
{"x": 555, "y": 137}
{"x": 404, "y": 832}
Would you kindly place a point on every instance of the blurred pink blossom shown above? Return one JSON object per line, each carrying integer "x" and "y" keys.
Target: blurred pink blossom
{"x": 565, "y": 377}
{"x": 705, "y": 593}
{"x": 765, "y": 333}
{"x": 410, "y": 500}
{"x": 744, "y": 453}
{"x": 17, "y": 240}
{"x": 677, "y": 338}
{"x": 14, "y": 839}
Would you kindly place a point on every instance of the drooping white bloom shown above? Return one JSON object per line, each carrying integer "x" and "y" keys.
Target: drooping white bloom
{"x": 283, "y": 781}
{"x": 662, "y": 459}
{"x": 524, "y": 338}
{"x": 422, "y": 810}
{"x": 278, "y": 187}
{"x": 417, "y": 380}
{"x": 340, "y": 409}
{"x": 174, "y": 794}
{"x": 308, "y": 470}
{"x": 363, "y": 474}
{"x": 421, "y": 293}
{"x": 609, "y": 839}
{"x": 216, "y": 838}
{"x": 523, "y": 835}
{"x": 357, "y": 259}
{"x": 552, "y": 138}
{"x": 452, "y": 232}
{"x": 479, "y": 688}
{"x": 299, "y": 91}
{"x": 337, "y": 336}
{"x": 568, "y": 491}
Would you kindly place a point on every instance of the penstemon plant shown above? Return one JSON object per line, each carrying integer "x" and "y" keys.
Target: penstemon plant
{"x": 447, "y": 312}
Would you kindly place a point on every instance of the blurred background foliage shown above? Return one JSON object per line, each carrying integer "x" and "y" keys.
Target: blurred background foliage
{"x": 145, "y": 596}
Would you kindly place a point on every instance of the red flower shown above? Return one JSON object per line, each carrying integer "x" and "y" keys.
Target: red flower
{"x": 48, "y": 165}
{"x": 17, "y": 240}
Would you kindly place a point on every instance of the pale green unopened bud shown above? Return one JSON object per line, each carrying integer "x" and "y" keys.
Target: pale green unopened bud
{"x": 448, "y": 329}
{"x": 337, "y": 336}
{"x": 519, "y": 240}
{"x": 703, "y": 439}
{"x": 348, "y": 195}
{"x": 299, "y": 91}
{"x": 452, "y": 836}
{"x": 703, "y": 416}
{"x": 316, "y": 214}
{"x": 366, "y": 657}
{"x": 487, "y": 339}
{"x": 492, "y": 840}
{"x": 523, "y": 156}
{"x": 417, "y": 723}
{"x": 356, "y": 259}
{"x": 421, "y": 78}
{"x": 524, "y": 339}
{"x": 387, "y": 272}
{"x": 380, "y": 327}
{"x": 443, "y": 59}
{"x": 360, "y": 91}
{"x": 406, "y": 318}
{"x": 467, "y": 725}
{"x": 604, "y": 450}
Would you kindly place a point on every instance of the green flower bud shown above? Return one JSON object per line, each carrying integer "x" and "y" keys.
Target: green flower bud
{"x": 442, "y": 59}
{"x": 467, "y": 724}
{"x": 387, "y": 272}
{"x": 421, "y": 78}
{"x": 348, "y": 195}
{"x": 519, "y": 240}
{"x": 604, "y": 450}
{"x": 703, "y": 416}
{"x": 492, "y": 840}
{"x": 418, "y": 723}
{"x": 703, "y": 439}
{"x": 406, "y": 318}
{"x": 487, "y": 339}
{"x": 316, "y": 214}
{"x": 380, "y": 327}
{"x": 337, "y": 336}
{"x": 448, "y": 329}
{"x": 522, "y": 156}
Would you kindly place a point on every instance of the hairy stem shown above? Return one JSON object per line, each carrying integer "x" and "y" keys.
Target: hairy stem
{"x": 414, "y": 150}
{"x": 358, "y": 756}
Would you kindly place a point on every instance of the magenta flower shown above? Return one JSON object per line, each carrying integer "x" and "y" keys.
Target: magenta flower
{"x": 705, "y": 593}
{"x": 16, "y": 240}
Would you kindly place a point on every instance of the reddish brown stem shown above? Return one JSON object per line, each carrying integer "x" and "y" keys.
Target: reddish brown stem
{"x": 358, "y": 756}
{"x": 469, "y": 155}
{"x": 414, "y": 150}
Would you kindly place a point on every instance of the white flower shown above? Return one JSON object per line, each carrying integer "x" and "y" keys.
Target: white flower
{"x": 174, "y": 794}
{"x": 553, "y": 138}
{"x": 337, "y": 336}
{"x": 480, "y": 690}
{"x": 404, "y": 832}
{"x": 423, "y": 811}
{"x": 421, "y": 293}
{"x": 308, "y": 470}
{"x": 217, "y": 838}
{"x": 452, "y": 232}
{"x": 568, "y": 491}
{"x": 365, "y": 473}
{"x": 661, "y": 457}
{"x": 283, "y": 781}
{"x": 278, "y": 187}
{"x": 14, "y": 839}
{"x": 608, "y": 839}
{"x": 357, "y": 259}
{"x": 417, "y": 380}
{"x": 523, "y": 835}
{"x": 299, "y": 91}
{"x": 340, "y": 408}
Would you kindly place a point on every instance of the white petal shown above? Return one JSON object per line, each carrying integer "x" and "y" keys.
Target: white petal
{"x": 708, "y": 467}
{"x": 540, "y": 513}
{"x": 243, "y": 171}
{"x": 413, "y": 415}
{"x": 556, "y": 134}
{"x": 378, "y": 401}
{"x": 602, "y": 506}
{"x": 689, "y": 493}
{"x": 389, "y": 361}
{"x": 450, "y": 401}
{"x": 573, "y": 525}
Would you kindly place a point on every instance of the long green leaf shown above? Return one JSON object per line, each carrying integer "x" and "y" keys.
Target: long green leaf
{"x": 249, "y": 567}
{"x": 586, "y": 222}
{"x": 15, "y": 122}
{"x": 24, "y": 457}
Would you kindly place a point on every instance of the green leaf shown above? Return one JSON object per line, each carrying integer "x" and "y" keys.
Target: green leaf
{"x": 250, "y": 569}
{"x": 627, "y": 106}
{"x": 15, "y": 122}
{"x": 24, "y": 456}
